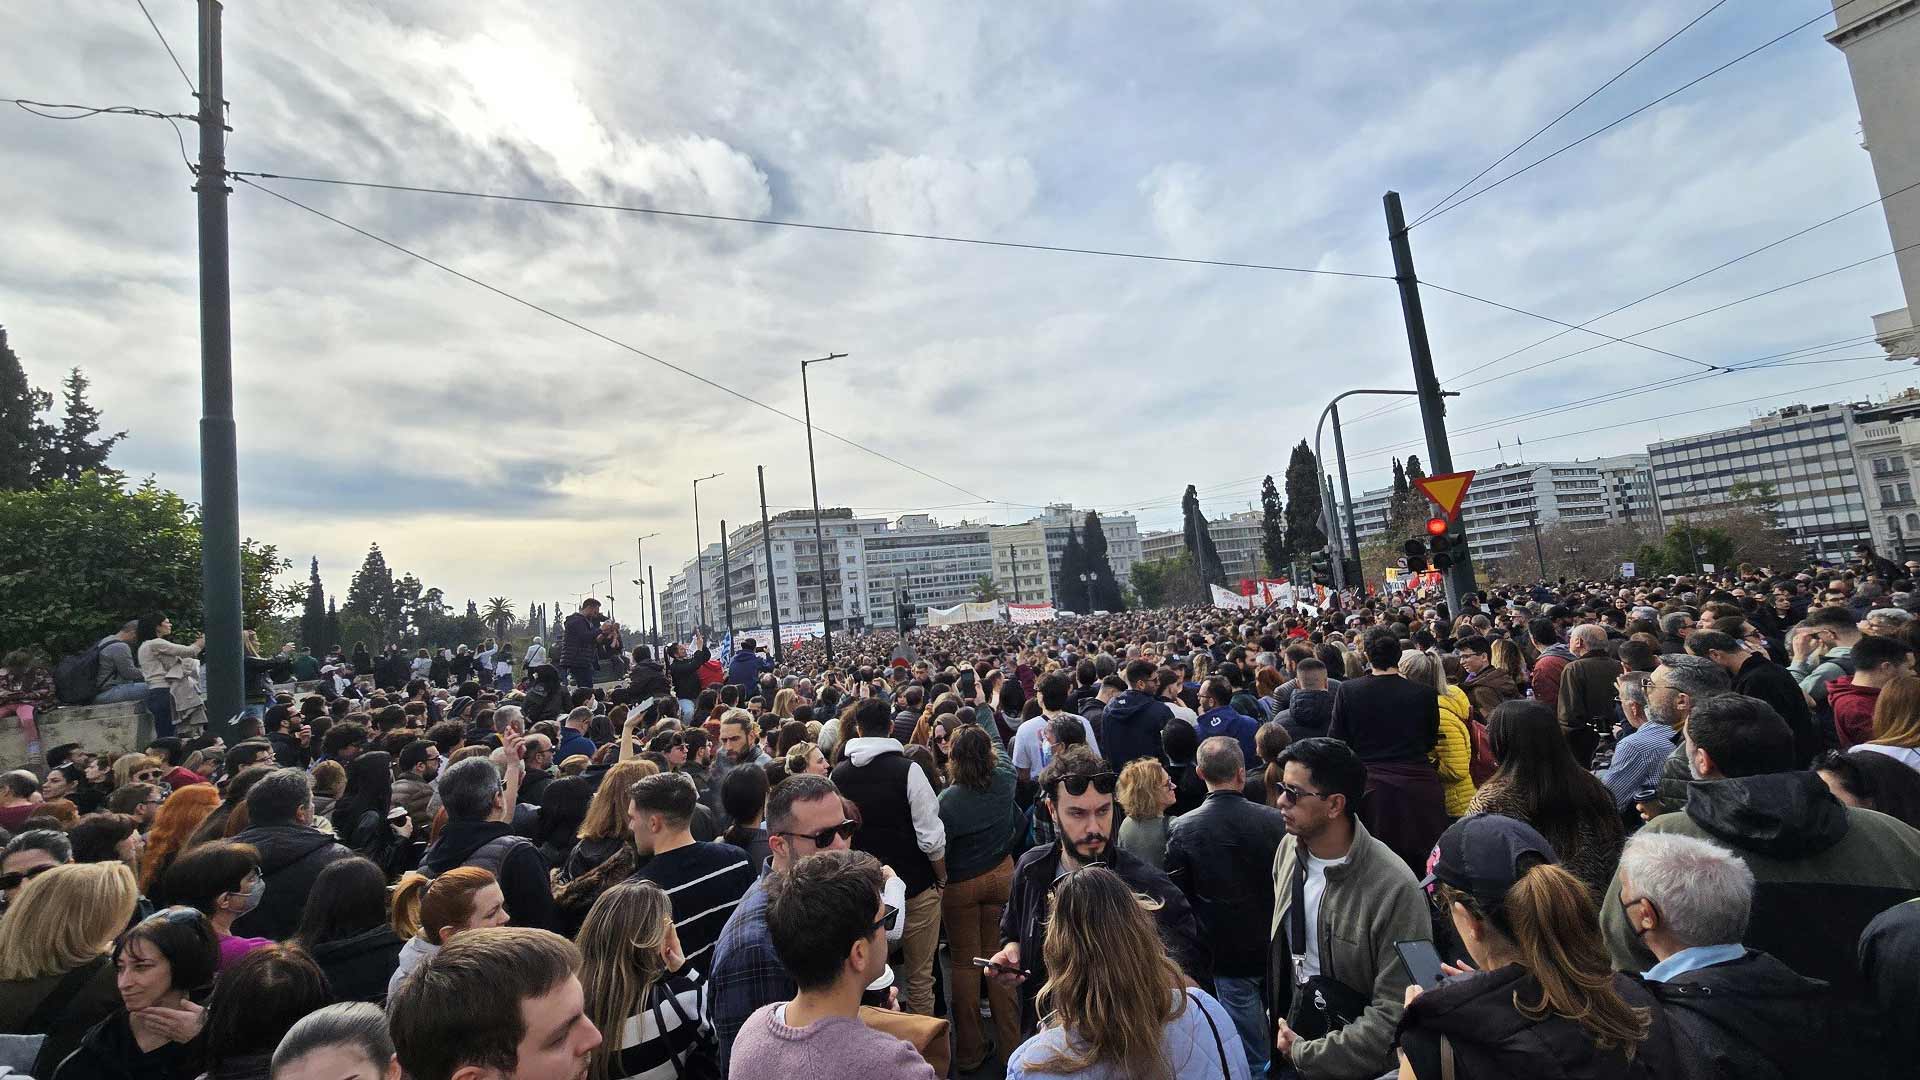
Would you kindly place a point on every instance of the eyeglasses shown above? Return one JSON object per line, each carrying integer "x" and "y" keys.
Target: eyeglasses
{"x": 150, "y": 774}
{"x": 888, "y": 913}
{"x": 1295, "y": 794}
{"x": 824, "y": 838}
{"x": 1102, "y": 783}
{"x": 21, "y": 877}
{"x": 1626, "y": 905}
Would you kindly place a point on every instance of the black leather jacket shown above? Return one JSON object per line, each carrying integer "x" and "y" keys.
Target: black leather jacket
{"x": 1221, "y": 857}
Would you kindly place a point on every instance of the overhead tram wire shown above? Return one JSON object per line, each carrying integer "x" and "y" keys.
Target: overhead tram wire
{"x": 1648, "y": 330}
{"x": 184, "y": 77}
{"x": 1636, "y": 112}
{"x": 85, "y": 112}
{"x": 1524, "y": 143}
{"x": 814, "y": 226}
{"x": 609, "y": 339}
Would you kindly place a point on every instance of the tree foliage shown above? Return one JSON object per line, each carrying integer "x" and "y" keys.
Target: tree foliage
{"x": 1106, "y": 594}
{"x": 1273, "y": 529}
{"x": 499, "y": 616}
{"x": 986, "y": 590}
{"x": 1304, "y": 533}
{"x": 1168, "y": 582}
{"x": 80, "y": 557}
{"x": 1072, "y": 594}
{"x": 313, "y": 612}
{"x": 1199, "y": 539}
{"x": 74, "y": 447}
{"x": 24, "y": 437}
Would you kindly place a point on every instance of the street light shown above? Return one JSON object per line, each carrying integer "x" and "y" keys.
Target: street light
{"x": 813, "y": 478}
{"x": 699, "y": 562}
{"x": 610, "y": 567}
{"x": 640, "y": 566}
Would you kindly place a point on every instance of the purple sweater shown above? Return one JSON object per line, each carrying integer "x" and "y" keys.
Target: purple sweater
{"x": 767, "y": 1049}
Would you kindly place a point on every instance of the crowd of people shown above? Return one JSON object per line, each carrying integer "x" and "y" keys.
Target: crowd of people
{"x": 1612, "y": 830}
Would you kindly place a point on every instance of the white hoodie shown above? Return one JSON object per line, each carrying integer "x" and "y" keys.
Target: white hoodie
{"x": 418, "y": 950}
{"x": 927, "y": 826}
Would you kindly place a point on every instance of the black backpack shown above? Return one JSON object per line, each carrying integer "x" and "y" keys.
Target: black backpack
{"x": 76, "y": 678}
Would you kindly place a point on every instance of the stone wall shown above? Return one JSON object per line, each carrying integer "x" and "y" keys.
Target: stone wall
{"x": 121, "y": 726}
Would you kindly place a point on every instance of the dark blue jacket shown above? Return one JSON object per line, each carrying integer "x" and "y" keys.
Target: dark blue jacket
{"x": 745, "y": 669}
{"x": 1132, "y": 727}
{"x": 1224, "y": 721}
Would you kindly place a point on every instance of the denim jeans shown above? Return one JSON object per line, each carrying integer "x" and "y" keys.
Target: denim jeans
{"x": 581, "y": 676}
{"x": 160, "y": 706}
{"x": 1244, "y": 997}
{"x": 133, "y": 691}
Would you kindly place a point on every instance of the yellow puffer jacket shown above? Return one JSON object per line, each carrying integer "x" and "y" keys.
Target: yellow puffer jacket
{"x": 1453, "y": 754}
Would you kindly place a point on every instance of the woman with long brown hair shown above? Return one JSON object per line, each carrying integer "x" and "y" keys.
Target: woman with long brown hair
{"x": 1114, "y": 1004}
{"x": 647, "y": 1004}
{"x": 173, "y": 824}
{"x": 1541, "y": 994}
{"x": 428, "y": 913}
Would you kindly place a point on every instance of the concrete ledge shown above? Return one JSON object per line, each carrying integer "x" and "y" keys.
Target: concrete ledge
{"x": 121, "y": 726}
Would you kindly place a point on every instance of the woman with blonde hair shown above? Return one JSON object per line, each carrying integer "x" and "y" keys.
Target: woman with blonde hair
{"x": 1146, "y": 792}
{"x": 1452, "y": 755}
{"x": 55, "y": 975}
{"x": 173, "y": 824}
{"x": 1507, "y": 657}
{"x": 138, "y": 769}
{"x": 1896, "y": 722}
{"x": 649, "y": 1013}
{"x": 783, "y": 702}
{"x": 1114, "y": 1004}
{"x": 429, "y": 913}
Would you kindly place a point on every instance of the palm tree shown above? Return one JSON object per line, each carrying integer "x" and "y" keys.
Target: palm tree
{"x": 986, "y": 590}
{"x": 499, "y": 615}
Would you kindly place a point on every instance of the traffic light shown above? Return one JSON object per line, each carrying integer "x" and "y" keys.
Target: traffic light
{"x": 1321, "y": 567}
{"x": 1416, "y": 553}
{"x": 1439, "y": 543}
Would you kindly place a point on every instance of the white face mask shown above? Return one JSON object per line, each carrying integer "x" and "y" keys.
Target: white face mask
{"x": 253, "y": 895}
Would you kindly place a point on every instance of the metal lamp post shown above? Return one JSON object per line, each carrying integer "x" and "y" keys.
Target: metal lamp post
{"x": 699, "y": 560}
{"x": 640, "y": 566}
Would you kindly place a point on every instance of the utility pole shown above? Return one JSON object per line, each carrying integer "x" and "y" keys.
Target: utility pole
{"x": 1346, "y": 488}
{"x": 653, "y": 601}
{"x": 219, "y": 462}
{"x": 1533, "y": 519}
{"x": 1433, "y": 408}
{"x": 639, "y": 566}
{"x": 766, "y": 542}
{"x": 726, "y": 577}
{"x": 819, "y": 541}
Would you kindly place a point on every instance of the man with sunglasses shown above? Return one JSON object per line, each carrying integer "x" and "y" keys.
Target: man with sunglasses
{"x": 805, "y": 816}
{"x": 1077, "y": 790}
{"x": 1341, "y": 899}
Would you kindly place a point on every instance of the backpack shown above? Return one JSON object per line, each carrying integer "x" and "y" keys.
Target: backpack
{"x": 76, "y": 679}
{"x": 1480, "y": 766}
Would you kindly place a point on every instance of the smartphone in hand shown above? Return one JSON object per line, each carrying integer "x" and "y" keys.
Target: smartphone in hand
{"x": 1422, "y": 960}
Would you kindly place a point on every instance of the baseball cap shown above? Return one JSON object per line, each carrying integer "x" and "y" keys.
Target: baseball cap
{"x": 1484, "y": 854}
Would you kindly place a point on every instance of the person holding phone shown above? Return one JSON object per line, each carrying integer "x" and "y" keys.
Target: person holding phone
{"x": 1539, "y": 995}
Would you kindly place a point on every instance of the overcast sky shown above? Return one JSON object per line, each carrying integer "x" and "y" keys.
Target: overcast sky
{"x": 493, "y": 450}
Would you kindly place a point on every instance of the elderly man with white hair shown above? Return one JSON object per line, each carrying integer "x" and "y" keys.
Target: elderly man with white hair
{"x": 1587, "y": 695}
{"x": 1885, "y": 622}
{"x": 1740, "y": 1012}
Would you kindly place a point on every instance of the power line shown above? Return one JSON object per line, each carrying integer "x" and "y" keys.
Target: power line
{"x": 1611, "y": 340}
{"x": 1623, "y": 119}
{"x": 815, "y": 226}
{"x": 496, "y": 290}
{"x": 184, "y": 77}
{"x": 1570, "y": 110}
{"x": 85, "y": 112}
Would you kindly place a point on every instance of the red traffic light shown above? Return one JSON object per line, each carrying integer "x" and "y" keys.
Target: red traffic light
{"x": 1436, "y": 526}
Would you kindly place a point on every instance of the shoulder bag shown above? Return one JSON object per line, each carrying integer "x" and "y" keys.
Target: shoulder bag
{"x": 1323, "y": 1003}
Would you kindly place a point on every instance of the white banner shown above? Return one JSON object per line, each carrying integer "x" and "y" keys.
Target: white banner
{"x": 963, "y": 613}
{"x": 790, "y": 633}
{"x": 1024, "y": 614}
{"x": 1224, "y": 599}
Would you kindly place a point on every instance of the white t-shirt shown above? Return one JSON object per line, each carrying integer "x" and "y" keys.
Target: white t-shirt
{"x": 1906, "y": 755}
{"x": 1183, "y": 712}
{"x": 1030, "y": 750}
{"x": 1316, "y": 888}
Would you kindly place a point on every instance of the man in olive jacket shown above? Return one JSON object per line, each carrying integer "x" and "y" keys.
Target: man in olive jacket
{"x": 1359, "y": 898}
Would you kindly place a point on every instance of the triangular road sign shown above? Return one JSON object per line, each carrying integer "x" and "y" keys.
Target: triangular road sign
{"x": 1446, "y": 490}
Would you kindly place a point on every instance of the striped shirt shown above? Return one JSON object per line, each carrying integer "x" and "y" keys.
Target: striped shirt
{"x": 659, "y": 1042}
{"x": 705, "y": 881}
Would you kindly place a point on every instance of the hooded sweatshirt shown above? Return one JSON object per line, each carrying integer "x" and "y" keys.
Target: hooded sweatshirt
{"x": 1132, "y": 726}
{"x": 1852, "y": 710}
{"x": 1309, "y": 714}
{"x": 291, "y": 857}
{"x": 1822, "y": 871}
{"x": 1546, "y": 674}
{"x": 418, "y": 950}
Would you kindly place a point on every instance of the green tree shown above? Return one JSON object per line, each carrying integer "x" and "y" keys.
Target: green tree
{"x": 264, "y": 598}
{"x": 24, "y": 437}
{"x": 370, "y": 596}
{"x": 1304, "y": 533}
{"x": 1106, "y": 595}
{"x": 986, "y": 590}
{"x": 1072, "y": 593}
{"x": 1199, "y": 540}
{"x": 313, "y": 615}
{"x": 73, "y": 448}
{"x": 499, "y": 616}
{"x": 470, "y": 626}
{"x": 333, "y": 625}
{"x": 80, "y": 557}
{"x": 1168, "y": 582}
{"x": 1273, "y": 528}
